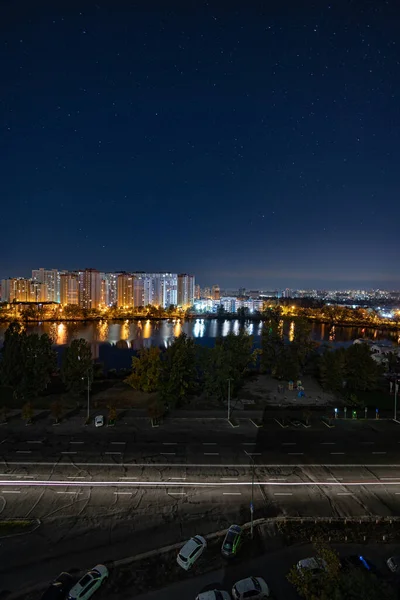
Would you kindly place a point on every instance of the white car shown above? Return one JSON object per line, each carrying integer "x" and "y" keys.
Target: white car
{"x": 191, "y": 551}
{"x": 99, "y": 421}
{"x": 89, "y": 583}
{"x": 255, "y": 588}
{"x": 394, "y": 563}
{"x": 313, "y": 564}
{"x": 214, "y": 595}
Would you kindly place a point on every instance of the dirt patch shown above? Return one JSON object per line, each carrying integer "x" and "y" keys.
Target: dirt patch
{"x": 264, "y": 390}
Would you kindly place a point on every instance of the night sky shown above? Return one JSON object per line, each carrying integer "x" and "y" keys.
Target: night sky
{"x": 251, "y": 143}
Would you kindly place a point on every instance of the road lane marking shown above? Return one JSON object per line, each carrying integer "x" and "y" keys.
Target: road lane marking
{"x": 127, "y": 478}
{"x": 228, "y": 478}
{"x": 24, "y": 451}
{"x": 177, "y": 493}
{"x": 379, "y": 453}
{"x": 119, "y": 443}
{"x": 180, "y": 478}
{"x": 211, "y": 453}
{"x": 253, "y": 453}
{"x": 76, "y": 477}
{"x": 76, "y": 493}
{"x": 345, "y": 494}
{"x": 54, "y": 463}
{"x": 334, "y": 478}
{"x": 123, "y": 493}
{"x": 248, "y": 443}
{"x": 231, "y": 493}
{"x": 389, "y": 478}
{"x": 10, "y": 491}
{"x": 278, "y": 479}
{"x": 168, "y": 453}
{"x": 283, "y": 494}
{"x": 69, "y": 452}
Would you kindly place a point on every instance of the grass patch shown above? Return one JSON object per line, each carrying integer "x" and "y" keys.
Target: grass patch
{"x": 11, "y": 527}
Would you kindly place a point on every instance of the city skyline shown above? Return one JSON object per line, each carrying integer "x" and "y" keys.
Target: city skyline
{"x": 253, "y": 145}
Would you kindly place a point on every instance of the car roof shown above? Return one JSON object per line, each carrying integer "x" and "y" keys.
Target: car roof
{"x": 245, "y": 585}
{"x": 310, "y": 563}
{"x": 190, "y": 545}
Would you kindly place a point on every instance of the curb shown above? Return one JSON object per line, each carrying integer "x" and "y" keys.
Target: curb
{"x": 36, "y": 522}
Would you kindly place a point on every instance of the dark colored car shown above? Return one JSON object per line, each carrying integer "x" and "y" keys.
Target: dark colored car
{"x": 232, "y": 542}
{"x": 59, "y": 588}
{"x": 359, "y": 562}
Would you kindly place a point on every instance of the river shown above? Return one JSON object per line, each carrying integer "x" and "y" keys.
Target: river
{"x": 114, "y": 342}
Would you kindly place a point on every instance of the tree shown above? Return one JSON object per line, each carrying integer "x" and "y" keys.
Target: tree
{"x": 243, "y": 313}
{"x": 178, "y": 371}
{"x": 77, "y": 366}
{"x": 231, "y": 358}
{"x": 323, "y": 587}
{"x": 146, "y": 370}
{"x": 156, "y": 410}
{"x": 361, "y": 371}
{"x": 272, "y": 346}
{"x": 302, "y": 343}
{"x": 27, "y": 362}
{"x": 56, "y": 409}
{"x": 287, "y": 366}
{"x": 221, "y": 312}
{"x": 3, "y": 413}
{"x": 359, "y": 583}
{"x": 331, "y": 369}
{"x": 27, "y": 412}
{"x": 112, "y": 411}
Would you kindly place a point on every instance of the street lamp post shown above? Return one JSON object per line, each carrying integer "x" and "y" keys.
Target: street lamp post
{"x": 252, "y": 495}
{"x": 229, "y": 399}
{"x": 396, "y": 385}
{"x": 88, "y": 396}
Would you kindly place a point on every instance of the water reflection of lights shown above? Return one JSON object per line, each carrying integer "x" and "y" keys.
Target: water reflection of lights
{"x": 177, "y": 328}
{"x": 291, "y": 332}
{"x": 332, "y": 334}
{"x": 147, "y": 329}
{"x": 226, "y": 328}
{"x": 124, "y": 335}
{"x": 198, "y": 329}
{"x": 236, "y": 327}
{"x": 61, "y": 334}
{"x": 102, "y": 331}
{"x": 250, "y": 328}
{"x": 259, "y": 329}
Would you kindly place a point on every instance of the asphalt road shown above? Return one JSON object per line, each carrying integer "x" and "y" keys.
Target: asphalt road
{"x": 102, "y": 494}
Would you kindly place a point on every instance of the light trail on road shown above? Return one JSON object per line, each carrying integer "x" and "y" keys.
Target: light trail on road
{"x": 167, "y": 484}
{"x": 172, "y": 465}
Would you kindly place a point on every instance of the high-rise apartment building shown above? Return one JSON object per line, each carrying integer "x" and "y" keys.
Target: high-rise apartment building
{"x": 185, "y": 296}
{"x": 69, "y": 288}
{"x": 159, "y": 289}
{"x": 90, "y": 288}
{"x": 216, "y": 292}
{"x": 110, "y": 288}
{"x": 125, "y": 286}
{"x": 51, "y": 278}
{"x": 18, "y": 289}
{"x": 197, "y": 292}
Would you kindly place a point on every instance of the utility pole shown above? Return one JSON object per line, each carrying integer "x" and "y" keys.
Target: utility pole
{"x": 252, "y": 496}
{"x": 88, "y": 396}
{"x": 396, "y": 385}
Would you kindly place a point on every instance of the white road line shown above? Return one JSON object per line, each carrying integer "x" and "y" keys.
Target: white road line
{"x": 177, "y": 493}
{"x": 76, "y": 477}
{"x": 295, "y": 453}
{"x": 397, "y": 493}
{"x": 123, "y": 493}
{"x": 337, "y": 453}
{"x": 147, "y": 465}
{"x": 283, "y": 494}
{"x": 334, "y": 478}
{"x": 345, "y": 494}
{"x": 209, "y": 443}
{"x": 379, "y": 453}
{"x": 168, "y": 453}
{"x": 389, "y": 478}
{"x": 228, "y": 478}
{"x": 119, "y": 443}
{"x": 211, "y": 453}
{"x": 10, "y": 491}
{"x": 170, "y": 443}
{"x": 69, "y": 452}
{"x": 69, "y": 493}
{"x": 253, "y": 453}
{"x": 289, "y": 443}
{"x": 119, "y": 453}
{"x": 177, "y": 478}
{"x": 126, "y": 478}
{"x": 77, "y": 442}
{"x": 231, "y": 493}
{"x": 24, "y": 451}
{"x": 278, "y": 479}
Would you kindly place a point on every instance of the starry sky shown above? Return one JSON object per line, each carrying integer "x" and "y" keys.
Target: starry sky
{"x": 253, "y": 143}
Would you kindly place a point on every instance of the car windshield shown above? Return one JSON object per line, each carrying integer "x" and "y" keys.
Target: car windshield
{"x": 183, "y": 558}
{"x": 85, "y": 580}
{"x": 256, "y": 584}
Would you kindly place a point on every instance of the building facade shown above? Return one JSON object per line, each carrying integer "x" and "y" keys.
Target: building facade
{"x": 125, "y": 285}
{"x": 90, "y": 289}
{"x": 69, "y": 288}
{"x": 186, "y": 290}
{"x": 51, "y": 277}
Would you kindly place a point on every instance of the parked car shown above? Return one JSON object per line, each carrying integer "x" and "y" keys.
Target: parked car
{"x": 313, "y": 565}
{"x": 214, "y": 595}
{"x": 58, "y": 588}
{"x": 191, "y": 551}
{"x": 255, "y": 588}
{"x": 99, "y": 421}
{"x": 394, "y": 563}
{"x": 358, "y": 562}
{"x": 232, "y": 542}
{"x": 89, "y": 583}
